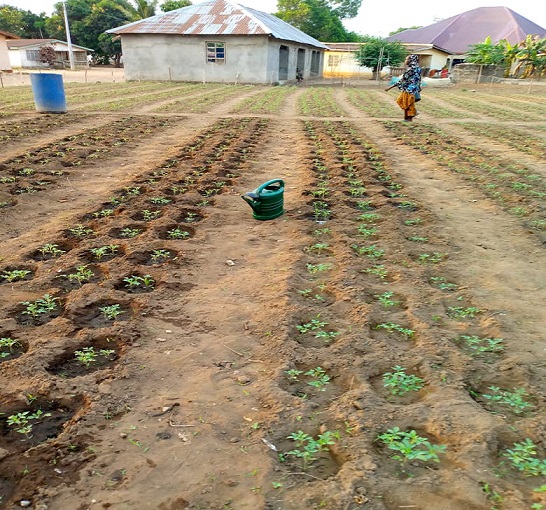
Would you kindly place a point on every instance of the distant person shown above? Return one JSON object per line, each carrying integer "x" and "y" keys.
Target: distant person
{"x": 444, "y": 73}
{"x": 299, "y": 75}
{"x": 410, "y": 85}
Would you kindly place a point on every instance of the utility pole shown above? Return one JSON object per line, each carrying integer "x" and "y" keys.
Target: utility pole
{"x": 70, "y": 52}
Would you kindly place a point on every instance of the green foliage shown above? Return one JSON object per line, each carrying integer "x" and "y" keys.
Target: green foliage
{"x": 177, "y": 233}
{"x": 410, "y": 446}
{"x": 6, "y": 346}
{"x": 308, "y": 448}
{"x": 88, "y": 355}
{"x": 111, "y": 312}
{"x": 23, "y": 422}
{"x": 135, "y": 282}
{"x": 25, "y": 24}
{"x": 480, "y": 345}
{"x": 321, "y": 19}
{"x": 377, "y": 53}
{"x": 52, "y": 250}
{"x": 486, "y": 53}
{"x": 171, "y": 5}
{"x": 386, "y": 301}
{"x": 82, "y": 275}
{"x": 15, "y": 274}
{"x": 515, "y": 400}
{"x": 391, "y": 326}
{"x": 41, "y": 306}
{"x": 320, "y": 378}
{"x": 522, "y": 457}
{"x": 399, "y": 383}
{"x": 102, "y": 251}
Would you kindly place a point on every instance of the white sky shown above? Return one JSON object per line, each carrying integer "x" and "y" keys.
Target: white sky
{"x": 376, "y": 18}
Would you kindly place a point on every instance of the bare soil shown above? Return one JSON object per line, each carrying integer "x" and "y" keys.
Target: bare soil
{"x": 192, "y": 406}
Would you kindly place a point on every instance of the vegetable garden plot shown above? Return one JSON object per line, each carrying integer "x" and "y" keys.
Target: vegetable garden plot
{"x": 340, "y": 356}
{"x": 516, "y": 188}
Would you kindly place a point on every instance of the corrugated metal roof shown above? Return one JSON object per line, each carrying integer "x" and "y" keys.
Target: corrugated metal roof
{"x": 217, "y": 17}
{"x": 23, "y": 43}
{"x": 457, "y": 33}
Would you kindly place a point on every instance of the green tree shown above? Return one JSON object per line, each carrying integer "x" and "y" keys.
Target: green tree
{"x": 171, "y": 5}
{"x": 321, "y": 19}
{"x": 532, "y": 57}
{"x": 377, "y": 53}
{"x": 23, "y": 23}
{"x": 486, "y": 53}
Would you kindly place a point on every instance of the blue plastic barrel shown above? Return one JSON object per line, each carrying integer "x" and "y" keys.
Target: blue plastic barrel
{"x": 48, "y": 90}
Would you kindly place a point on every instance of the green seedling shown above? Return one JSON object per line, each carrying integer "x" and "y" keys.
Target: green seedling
{"x": 492, "y": 496}
{"x": 87, "y": 355}
{"x": 364, "y": 205}
{"x": 369, "y": 217}
{"x": 522, "y": 457}
{"x": 377, "y": 270}
{"x": 365, "y": 231}
{"x": 400, "y": 383}
{"x": 26, "y": 171}
{"x": 103, "y": 251}
{"x": 103, "y": 213}
{"x": 191, "y": 217}
{"x": 133, "y": 191}
{"x": 515, "y": 400}
{"x": 308, "y": 447}
{"x": 82, "y": 275}
{"x": 321, "y": 231}
{"x": 23, "y": 422}
{"x": 443, "y": 284}
{"x": 135, "y": 282}
{"x": 480, "y": 345}
{"x": 417, "y": 239}
{"x": 415, "y": 221}
{"x": 150, "y": 215}
{"x": 129, "y": 232}
{"x": 391, "y": 326}
{"x": 317, "y": 268}
{"x": 7, "y": 344}
{"x": 15, "y": 274}
{"x": 459, "y": 312}
{"x": 81, "y": 231}
{"x": 317, "y": 248}
{"x": 293, "y": 374}
{"x": 313, "y": 325}
{"x": 371, "y": 252}
{"x": 386, "y": 301}
{"x": 160, "y": 201}
{"x": 433, "y": 258}
{"x": 326, "y": 335}
{"x": 410, "y": 446}
{"x": 52, "y": 250}
{"x": 111, "y": 312}
{"x": 41, "y": 306}
{"x": 177, "y": 233}
{"x": 320, "y": 378}
{"x": 159, "y": 255}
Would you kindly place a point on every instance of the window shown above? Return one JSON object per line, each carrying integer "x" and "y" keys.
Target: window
{"x": 334, "y": 60}
{"x": 216, "y": 52}
{"x": 33, "y": 55}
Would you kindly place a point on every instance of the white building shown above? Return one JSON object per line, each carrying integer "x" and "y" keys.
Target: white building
{"x": 25, "y": 53}
{"x": 218, "y": 41}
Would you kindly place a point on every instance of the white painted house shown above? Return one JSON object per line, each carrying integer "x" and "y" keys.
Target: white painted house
{"x": 4, "y": 56}
{"x": 218, "y": 41}
{"x": 25, "y": 53}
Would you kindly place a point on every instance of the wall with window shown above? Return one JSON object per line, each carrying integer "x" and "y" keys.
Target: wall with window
{"x": 229, "y": 59}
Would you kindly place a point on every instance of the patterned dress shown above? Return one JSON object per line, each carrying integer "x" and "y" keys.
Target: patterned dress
{"x": 409, "y": 84}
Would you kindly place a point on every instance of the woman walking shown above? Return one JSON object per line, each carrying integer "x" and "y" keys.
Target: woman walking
{"x": 410, "y": 85}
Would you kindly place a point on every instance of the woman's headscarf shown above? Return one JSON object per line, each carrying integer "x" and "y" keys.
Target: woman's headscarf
{"x": 413, "y": 60}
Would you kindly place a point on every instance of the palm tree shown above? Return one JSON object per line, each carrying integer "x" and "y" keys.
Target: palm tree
{"x": 141, "y": 10}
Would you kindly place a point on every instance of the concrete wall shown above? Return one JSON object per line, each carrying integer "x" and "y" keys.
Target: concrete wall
{"x": 4, "y": 57}
{"x": 183, "y": 58}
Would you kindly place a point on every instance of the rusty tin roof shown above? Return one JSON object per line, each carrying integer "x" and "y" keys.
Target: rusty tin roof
{"x": 217, "y": 17}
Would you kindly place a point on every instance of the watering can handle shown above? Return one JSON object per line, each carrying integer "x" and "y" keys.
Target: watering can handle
{"x": 269, "y": 183}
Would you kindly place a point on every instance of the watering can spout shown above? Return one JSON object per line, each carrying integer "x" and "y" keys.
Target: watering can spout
{"x": 267, "y": 200}
{"x": 251, "y": 199}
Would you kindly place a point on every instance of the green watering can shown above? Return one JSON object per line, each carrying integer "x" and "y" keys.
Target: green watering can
{"x": 266, "y": 201}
